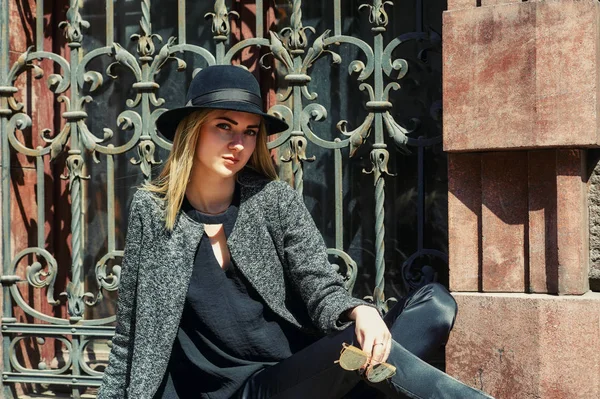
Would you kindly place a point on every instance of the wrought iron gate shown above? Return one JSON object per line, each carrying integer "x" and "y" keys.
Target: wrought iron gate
{"x": 359, "y": 84}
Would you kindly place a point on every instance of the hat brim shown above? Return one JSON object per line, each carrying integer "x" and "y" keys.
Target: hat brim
{"x": 168, "y": 121}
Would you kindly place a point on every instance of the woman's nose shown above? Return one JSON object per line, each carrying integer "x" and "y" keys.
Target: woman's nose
{"x": 237, "y": 142}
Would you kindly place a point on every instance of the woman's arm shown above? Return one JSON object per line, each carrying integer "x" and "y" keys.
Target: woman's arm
{"x": 308, "y": 267}
{"x": 116, "y": 375}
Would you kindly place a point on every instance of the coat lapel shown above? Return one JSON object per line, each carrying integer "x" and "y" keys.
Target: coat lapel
{"x": 174, "y": 277}
{"x": 252, "y": 247}
{"x": 163, "y": 287}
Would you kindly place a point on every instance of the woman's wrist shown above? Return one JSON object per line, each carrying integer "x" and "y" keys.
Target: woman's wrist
{"x": 354, "y": 312}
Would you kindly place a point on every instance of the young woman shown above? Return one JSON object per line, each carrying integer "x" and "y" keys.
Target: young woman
{"x": 226, "y": 289}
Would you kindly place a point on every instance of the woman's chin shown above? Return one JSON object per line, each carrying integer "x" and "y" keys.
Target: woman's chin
{"x": 229, "y": 170}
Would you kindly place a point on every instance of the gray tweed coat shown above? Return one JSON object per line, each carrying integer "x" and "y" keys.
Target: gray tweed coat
{"x": 275, "y": 244}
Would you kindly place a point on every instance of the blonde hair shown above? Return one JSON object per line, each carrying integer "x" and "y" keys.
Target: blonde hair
{"x": 171, "y": 183}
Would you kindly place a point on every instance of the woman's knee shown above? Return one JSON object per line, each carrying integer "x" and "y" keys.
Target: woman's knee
{"x": 441, "y": 306}
{"x": 445, "y": 304}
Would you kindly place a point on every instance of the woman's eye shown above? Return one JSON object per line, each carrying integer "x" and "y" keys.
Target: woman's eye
{"x": 224, "y": 126}
{"x": 251, "y": 132}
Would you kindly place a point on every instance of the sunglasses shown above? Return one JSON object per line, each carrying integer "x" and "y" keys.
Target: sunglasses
{"x": 353, "y": 358}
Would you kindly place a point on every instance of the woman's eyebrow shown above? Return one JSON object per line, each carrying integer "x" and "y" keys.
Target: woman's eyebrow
{"x": 235, "y": 123}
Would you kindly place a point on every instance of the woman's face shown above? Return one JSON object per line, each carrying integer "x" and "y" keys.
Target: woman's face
{"x": 226, "y": 141}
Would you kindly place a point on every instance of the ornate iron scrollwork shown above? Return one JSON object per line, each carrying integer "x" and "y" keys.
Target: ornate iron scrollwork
{"x": 74, "y": 24}
{"x": 295, "y": 48}
{"x": 145, "y": 47}
{"x": 146, "y": 159}
{"x": 377, "y": 15}
{"x": 220, "y": 20}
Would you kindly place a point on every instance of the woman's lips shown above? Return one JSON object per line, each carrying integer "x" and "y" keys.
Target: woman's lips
{"x": 230, "y": 160}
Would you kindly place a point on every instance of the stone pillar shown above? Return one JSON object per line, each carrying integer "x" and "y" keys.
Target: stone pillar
{"x": 520, "y": 108}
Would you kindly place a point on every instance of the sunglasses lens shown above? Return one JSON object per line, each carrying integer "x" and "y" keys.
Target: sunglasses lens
{"x": 351, "y": 360}
{"x": 380, "y": 372}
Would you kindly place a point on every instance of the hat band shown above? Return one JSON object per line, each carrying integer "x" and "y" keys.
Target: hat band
{"x": 226, "y": 95}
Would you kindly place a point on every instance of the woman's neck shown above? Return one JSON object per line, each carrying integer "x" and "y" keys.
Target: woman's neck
{"x": 210, "y": 194}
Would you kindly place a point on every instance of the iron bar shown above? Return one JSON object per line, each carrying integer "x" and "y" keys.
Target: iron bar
{"x": 380, "y": 153}
{"x": 181, "y": 22}
{"x": 296, "y": 134}
{"x": 337, "y": 18}
{"x": 110, "y": 22}
{"x": 260, "y": 22}
{"x": 110, "y": 201}
{"x": 5, "y": 202}
{"x": 378, "y": 293}
{"x": 75, "y": 368}
{"x": 67, "y": 380}
{"x": 53, "y": 329}
{"x": 4, "y": 40}
{"x": 39, "y": 25}
{"x": 296, "y": 40}
{"x": 295, "y": 44}
{"x": 40, "y": 190}
{"x": 220, "y": 29}
{"x": 339, "y": 198}
{"x": 145, "y": 23}
{"x": 220, "y": 52}
{"x": 75, "y": 166}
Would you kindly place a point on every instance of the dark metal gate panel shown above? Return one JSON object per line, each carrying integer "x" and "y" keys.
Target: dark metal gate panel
{"x": 359, "y": 85}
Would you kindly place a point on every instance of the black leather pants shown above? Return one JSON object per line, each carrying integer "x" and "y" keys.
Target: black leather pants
{"x": 419, "y": 324}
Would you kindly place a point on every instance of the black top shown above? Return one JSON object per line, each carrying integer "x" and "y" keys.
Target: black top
{"x": 226, "y": 332}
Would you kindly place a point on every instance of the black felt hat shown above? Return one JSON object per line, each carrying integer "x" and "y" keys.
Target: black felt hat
{"x": 220, "y": 87}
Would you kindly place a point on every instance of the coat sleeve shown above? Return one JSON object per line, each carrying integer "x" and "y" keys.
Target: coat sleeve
{"x": 308, "y": 267}
{"x": 116, "y": 375}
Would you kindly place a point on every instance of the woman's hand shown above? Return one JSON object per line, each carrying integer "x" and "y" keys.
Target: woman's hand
{"x": 373, "y": 335}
